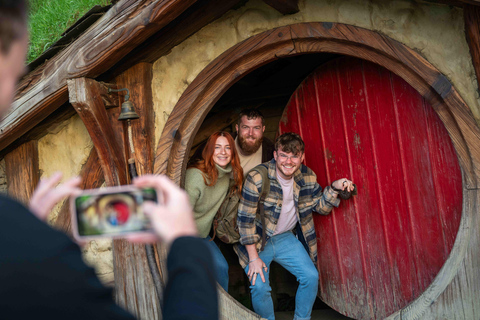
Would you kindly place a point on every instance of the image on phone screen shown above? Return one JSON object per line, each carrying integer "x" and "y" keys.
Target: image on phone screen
{"x": 112, "y": 214}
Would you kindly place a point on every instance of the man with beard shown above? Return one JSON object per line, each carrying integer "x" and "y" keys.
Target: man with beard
{"x": 253, "y": 148}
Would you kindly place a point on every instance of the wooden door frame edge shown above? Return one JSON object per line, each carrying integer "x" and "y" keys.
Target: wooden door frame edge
{"x": 317, "y": 37}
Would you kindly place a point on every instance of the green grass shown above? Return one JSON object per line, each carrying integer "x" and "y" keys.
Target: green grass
{"x": 50, "y": 18}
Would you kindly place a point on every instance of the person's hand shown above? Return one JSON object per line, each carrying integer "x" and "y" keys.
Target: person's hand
{"x": 172, "y": 217}
{"x": 48, "y": 194}
{"x": 255, "y": 268}
{"x": 343, "y": 183}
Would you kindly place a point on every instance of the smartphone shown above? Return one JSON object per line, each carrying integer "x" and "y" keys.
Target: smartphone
{"x": 112, "y": 212}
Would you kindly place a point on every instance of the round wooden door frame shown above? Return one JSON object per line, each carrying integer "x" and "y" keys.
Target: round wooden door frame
{"x": 303, "y": 38}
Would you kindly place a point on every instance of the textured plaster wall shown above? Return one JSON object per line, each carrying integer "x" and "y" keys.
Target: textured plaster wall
{"x": 66, "y": 149}
{"x": 436, "y": 31}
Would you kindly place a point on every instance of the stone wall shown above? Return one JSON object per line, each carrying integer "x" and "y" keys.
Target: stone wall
{"x": 436, "y": 31}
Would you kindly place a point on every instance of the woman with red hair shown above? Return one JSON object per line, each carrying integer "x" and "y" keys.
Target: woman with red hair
{"x": 207, "y": 183}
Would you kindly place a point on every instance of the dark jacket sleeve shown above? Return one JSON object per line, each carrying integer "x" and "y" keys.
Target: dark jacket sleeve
{"x": 191, "y": 291}
{"x": 42, "y": 272}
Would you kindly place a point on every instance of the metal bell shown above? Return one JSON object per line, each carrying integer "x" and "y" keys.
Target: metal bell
{"x": 127, "y": 111}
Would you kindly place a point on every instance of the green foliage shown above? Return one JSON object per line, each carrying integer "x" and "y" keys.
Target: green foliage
{"x": 50, "y": 18}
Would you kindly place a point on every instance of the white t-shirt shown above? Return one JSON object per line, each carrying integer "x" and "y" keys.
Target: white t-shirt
{"x": 288, "y": 216}
{"x": 248, "y": 162}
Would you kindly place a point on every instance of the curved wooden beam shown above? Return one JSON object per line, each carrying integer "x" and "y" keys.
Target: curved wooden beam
{"x": 223, "y": 72}
{"x": 258, "y": 50}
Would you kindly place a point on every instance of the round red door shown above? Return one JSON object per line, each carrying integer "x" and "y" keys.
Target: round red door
{"x": 380, "y": 250}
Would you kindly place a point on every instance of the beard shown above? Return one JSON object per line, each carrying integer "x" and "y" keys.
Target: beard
{"x": 248, "y": 148}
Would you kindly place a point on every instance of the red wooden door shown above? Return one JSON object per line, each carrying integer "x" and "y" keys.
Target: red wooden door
{"x": 381, "y": 250}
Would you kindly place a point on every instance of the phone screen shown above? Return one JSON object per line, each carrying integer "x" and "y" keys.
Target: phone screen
{"x": 112, "y": 213}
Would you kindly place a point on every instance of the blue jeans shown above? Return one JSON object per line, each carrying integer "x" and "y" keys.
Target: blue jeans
{"x": 289, "y": 252}
{"x": 219, "y": 262}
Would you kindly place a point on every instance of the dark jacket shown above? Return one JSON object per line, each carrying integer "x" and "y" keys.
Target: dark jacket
{"x": 42, "y": 274}
{"x": 267, "y": 150}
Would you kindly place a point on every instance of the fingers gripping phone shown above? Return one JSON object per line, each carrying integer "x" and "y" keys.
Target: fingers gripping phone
{"x": 110, "y": 212}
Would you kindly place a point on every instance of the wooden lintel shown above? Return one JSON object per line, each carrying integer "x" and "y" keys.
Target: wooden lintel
{"x": 22, "y": 171}
{"x": 85, "y": 97}
{"x": 134, "y": 285}
{"x": 126, "y": 25}
{"x": 284, "y": 6}
{"x": 92, "y": 177}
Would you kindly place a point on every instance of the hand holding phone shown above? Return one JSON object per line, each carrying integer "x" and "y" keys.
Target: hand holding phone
{"x": 133, "y": 212}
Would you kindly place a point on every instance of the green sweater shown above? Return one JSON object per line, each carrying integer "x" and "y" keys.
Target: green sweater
{"x": 206, "y": 200}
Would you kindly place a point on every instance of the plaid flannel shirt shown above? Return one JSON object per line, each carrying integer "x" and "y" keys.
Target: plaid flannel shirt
{"x": 308, "y": 197}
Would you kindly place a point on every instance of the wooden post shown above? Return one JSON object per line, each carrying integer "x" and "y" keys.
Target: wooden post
{"x": 22, "y": 171}
{"x": 134, "y": 285}
{"x": 138, "y": 80}
{"x": 86, "y": 97}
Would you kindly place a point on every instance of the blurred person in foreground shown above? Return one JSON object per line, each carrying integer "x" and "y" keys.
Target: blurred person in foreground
{"x": 41, "y": 269}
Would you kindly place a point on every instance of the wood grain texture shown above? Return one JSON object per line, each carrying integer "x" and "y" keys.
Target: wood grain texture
{"x": 133, "y": 281}
{"x": 454, "y": 292}
{"x": 92, "y": 178}
{"x": 138, "y": 80}
{"x": 85, "y": 96}
{"x": 232, "y": 309}
{"x": 303, "y": 38}
{"x": 460, "y": 298}
{"x": 126, "y": 25}
{"x": 22, "y": 172}
{"x": 284, "y": 6}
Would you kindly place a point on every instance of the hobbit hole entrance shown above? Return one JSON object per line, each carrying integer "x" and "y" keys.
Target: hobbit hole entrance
{"x": 269, "y": 89}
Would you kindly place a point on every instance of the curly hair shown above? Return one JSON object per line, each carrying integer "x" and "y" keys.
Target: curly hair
{"x": 290, "y": 142}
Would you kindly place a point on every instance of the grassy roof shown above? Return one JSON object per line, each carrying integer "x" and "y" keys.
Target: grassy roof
{"x": 50, "y": 18}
